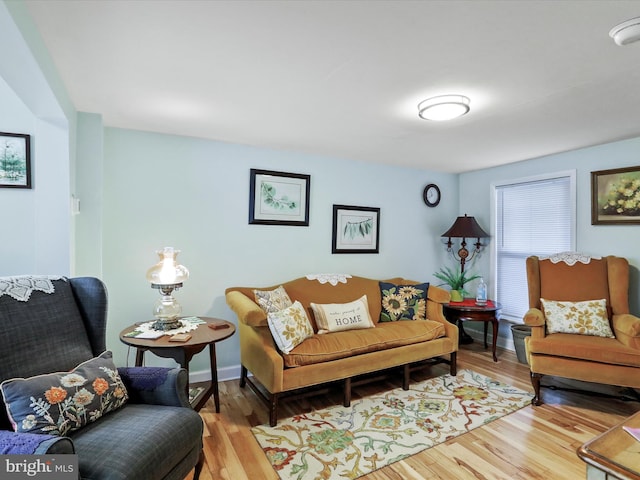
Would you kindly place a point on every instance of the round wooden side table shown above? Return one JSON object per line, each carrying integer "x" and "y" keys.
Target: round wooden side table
{"x": 183, "y": 352}
{"x": 467, "y": 310}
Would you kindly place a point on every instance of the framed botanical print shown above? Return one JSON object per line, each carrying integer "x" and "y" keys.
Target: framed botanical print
{"x": 355, "y": 229}
{"x": 279, "y": 198}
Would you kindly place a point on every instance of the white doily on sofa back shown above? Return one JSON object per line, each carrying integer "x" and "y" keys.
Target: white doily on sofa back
{"x": 331, "y": 278}
{"x": 21, "y": 287}
{"x": 570, "y": 258}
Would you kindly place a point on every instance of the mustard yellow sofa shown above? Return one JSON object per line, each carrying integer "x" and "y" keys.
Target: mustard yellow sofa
{"x": 611, "y": 360}
{"x": 337, "y": 356}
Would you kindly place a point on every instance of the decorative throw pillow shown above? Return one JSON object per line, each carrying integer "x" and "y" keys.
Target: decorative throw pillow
{"x": 585, "y": 318}
{"x": 334, "y": 317}
{"x": 290, "y": 327}
{"x": 58, "y": 403}
{"x": 403, "y": 302}
{"x": 272, "y": 300}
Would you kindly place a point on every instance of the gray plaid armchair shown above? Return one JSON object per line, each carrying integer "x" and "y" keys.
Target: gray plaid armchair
{"x": 150, "y": 434}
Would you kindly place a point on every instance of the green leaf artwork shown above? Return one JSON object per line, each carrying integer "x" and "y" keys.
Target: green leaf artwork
{"x": 269, "y": 197}
{"x": 358, "y": 229}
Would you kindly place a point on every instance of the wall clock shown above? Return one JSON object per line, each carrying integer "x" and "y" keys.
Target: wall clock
{"x": 431, "y": 195}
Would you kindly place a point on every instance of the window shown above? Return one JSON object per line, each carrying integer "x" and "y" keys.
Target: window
{"x": 534, "y": 216}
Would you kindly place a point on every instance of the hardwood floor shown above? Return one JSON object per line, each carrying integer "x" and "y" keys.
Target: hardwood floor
{"x": 532, "y": 443}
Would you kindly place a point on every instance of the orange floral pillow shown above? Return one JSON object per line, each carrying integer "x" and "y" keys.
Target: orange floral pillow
{"x": 584, "y": 318}
{"x": 59, "y": 403}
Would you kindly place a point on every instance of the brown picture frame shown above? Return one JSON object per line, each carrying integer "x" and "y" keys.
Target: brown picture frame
{"x": 615, "y": 196}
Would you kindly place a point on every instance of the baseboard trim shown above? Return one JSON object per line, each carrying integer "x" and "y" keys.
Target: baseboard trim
{"x": 224, "y": 374}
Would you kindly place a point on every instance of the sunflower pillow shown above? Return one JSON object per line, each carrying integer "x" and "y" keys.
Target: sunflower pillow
{"x": 403, "y": 302}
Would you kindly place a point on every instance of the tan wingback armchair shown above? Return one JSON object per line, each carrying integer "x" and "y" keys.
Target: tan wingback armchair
{"x": 613, "y": 361}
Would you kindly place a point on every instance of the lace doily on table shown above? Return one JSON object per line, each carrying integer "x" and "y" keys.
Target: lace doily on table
{"x": 188, "y": 324}
{"x": 331, "y": 278}
{"x": 21, "y": 287}
{"x": 570, "y": 258}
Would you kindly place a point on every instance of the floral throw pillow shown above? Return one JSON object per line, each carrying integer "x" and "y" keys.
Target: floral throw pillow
{"x": 585, "y": 318}
{"x": 59, "y": 403}
{"x": 272, "y": 300}
{"x": 290, "y": 327}
{"x": 403, "y": 302}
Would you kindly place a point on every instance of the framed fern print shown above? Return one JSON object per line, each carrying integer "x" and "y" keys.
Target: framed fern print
{"x": 355, "y": 229}
{"x": 279, "y": 198}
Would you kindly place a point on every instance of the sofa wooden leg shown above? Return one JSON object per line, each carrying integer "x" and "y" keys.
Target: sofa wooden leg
{"x": 243, "y": 376}
{"x": 453, "y": 364}
{"x": 273, "y": 410}
{"x": 535, "y": 381}
{"x": 347, "y": 392}
{"x": 406, "y": 376}
{"x": 198, "y": 468}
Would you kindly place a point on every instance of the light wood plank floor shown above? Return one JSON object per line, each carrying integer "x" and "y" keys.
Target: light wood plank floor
{"x": 532, "y": 443}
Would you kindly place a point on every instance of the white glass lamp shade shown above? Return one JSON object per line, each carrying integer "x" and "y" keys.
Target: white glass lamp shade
{"x": 626, "y": 32}
{"x": 167, "y": 271}
{"x": 444, "y": 107}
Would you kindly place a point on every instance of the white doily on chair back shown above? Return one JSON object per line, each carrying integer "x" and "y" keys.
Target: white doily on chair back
{"x": 331, "y": 278}
{"x": 570, "y": 258}
{"x": 21, "y": 287}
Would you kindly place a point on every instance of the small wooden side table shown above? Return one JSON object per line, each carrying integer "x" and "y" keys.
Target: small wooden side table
{"x": 183, "y": 352}
{"x": 614, "y": 454}
{"x": 467, "y": 310}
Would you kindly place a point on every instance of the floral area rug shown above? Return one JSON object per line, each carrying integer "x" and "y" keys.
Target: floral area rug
{"x": 346, "y": 443}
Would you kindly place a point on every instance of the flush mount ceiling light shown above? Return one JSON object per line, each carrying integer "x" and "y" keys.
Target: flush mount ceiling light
{"x": 626, "y": 32}
{"x": 443, "y": 107}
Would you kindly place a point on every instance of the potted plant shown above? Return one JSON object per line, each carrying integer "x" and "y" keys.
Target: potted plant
{"x": 456, "y": 279}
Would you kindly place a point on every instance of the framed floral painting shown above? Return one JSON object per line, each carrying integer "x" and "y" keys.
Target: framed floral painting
{"x": 615, "y": 196}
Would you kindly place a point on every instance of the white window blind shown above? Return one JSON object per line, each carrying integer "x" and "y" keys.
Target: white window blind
{"x": 533, "y": 217}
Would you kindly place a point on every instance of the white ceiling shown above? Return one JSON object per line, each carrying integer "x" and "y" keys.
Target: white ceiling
{"x": 343, "y": 78}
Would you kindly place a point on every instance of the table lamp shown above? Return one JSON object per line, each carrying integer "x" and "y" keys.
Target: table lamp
{"x": 464, "y": 227}
{"x": 167, "y": 275}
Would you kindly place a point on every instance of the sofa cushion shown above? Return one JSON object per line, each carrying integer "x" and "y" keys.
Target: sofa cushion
{"x": 403, "y": 302}
{"x": 289, "y": 327}
{"x": 272, "y": 300}
{"x": 336, "y": 345}
{"x": 335, "y": 317}
{"x": 142, "y": 441}
{"x": 584, "y": 318}
{"x": 58, "y": 403}
{"x": 585, "y": 347}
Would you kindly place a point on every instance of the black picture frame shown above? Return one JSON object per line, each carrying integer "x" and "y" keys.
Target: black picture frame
{"x": 615, "y": 196}
{"x": 279, "y": 198}
{"x": 15, "y": 160}
{"x": 355, "y": 229}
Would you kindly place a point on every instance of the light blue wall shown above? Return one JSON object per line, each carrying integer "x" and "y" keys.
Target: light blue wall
{"x": 621, "y": 240}
{"x": 37, "y": 226}
{"x": 162, "y": 190}
{"x": 16, "y": 254}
